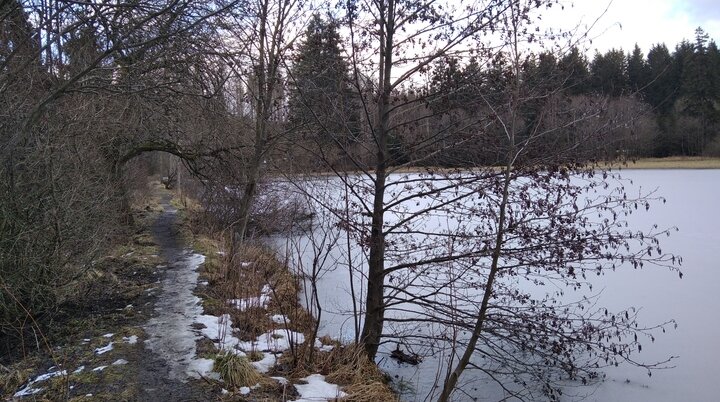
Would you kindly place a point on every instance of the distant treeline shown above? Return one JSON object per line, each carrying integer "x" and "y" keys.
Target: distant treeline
{"x": 663, "y": 104}
{"x": 666, "y": 103}
{"x": 682, "y": 88}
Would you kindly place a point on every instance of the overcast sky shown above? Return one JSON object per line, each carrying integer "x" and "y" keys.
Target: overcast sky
{"x": 646, "y": 22}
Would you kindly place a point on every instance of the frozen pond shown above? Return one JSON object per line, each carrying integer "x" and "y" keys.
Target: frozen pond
{"x": 692, "y": 301}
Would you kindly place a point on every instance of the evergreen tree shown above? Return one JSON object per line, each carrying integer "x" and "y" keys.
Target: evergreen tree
{"x": 609, "y": 73}
{"x": 573, "y": 69}
{"x": 713, "y": 56}
{"x": 698, "y": 95}
{"x": 322, "y": 104}
{"x": 637, "y": 70}
{"x": 660, "y": 90}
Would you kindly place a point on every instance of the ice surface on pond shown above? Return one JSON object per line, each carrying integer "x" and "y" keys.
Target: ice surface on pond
{"x": 691, "y": 205}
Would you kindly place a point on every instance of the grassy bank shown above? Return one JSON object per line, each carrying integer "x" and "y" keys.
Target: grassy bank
{"x": 260, "y": 294}
{"x": 675, "y": 162}
{"x": 672, "y": 162}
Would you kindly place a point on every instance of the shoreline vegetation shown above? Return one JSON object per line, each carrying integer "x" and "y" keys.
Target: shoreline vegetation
{"x": 667, "y": 163}
{"x": 675, "y": 162}
{"x": 94, "y": 350}
{"x": 261, "y": 295}
{"x": 75, "y": 370}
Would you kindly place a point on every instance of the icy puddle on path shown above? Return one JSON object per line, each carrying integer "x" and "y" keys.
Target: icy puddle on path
{"x": 179, "y": 322}
{"x": 170, "y": 332}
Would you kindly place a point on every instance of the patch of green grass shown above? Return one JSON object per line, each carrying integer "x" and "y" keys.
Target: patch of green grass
{"x": 213, "y": 306}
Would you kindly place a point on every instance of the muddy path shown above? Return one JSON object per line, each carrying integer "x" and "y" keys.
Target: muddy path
{"x": 165, "y": 369}
{"x": 128, "y": 333}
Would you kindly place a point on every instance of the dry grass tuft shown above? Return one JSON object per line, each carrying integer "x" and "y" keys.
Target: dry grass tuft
{"x": 12, "y": 379}
{"x": 255, "y": 356}
{"x": 349, "y": 365}
{"x": 375, "y": 391}
{"x": 236, "y": 370}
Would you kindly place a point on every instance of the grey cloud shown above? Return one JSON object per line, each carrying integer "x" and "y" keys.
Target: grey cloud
{"x": 701, "y": 10}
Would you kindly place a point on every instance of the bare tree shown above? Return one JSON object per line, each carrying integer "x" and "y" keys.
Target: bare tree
{"x": 84, "y": 88}
{"x": 449, "y": 248}
{"x": 259, "y": 38}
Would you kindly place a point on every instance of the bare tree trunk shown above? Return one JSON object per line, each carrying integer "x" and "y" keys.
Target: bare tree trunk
{"x": 452, "y": 378}
{"x": 510, "y": 131}
{"x": 261, "y": 105}
{"x": 375, "y": 306}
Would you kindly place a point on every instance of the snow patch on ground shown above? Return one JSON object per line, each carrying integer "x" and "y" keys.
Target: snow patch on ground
{"x": 104, "y": 349}
{"x": 261, "y": 301}
{"x": 219, "y": 330}
{"x": 274, "y": 341}
{"x": 131, "y": 340}
{"x": 267, "y": 362}
{"x": 322, "y": 347}
{"x": 279, "y": 319}
{"x": 202, "y": 368}
{"x": 281, "y": 380}
{"x": 29, "y": 390}
{"x": 317, "y": 389}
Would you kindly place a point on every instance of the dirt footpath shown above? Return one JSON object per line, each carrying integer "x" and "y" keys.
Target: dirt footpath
{"x": 104, "y": 345}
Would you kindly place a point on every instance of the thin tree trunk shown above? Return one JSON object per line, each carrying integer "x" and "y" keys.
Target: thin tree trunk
{"x": 262, "y": 102}
{"x": 454, "y": 376}
{"x": 375, "y": 304}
